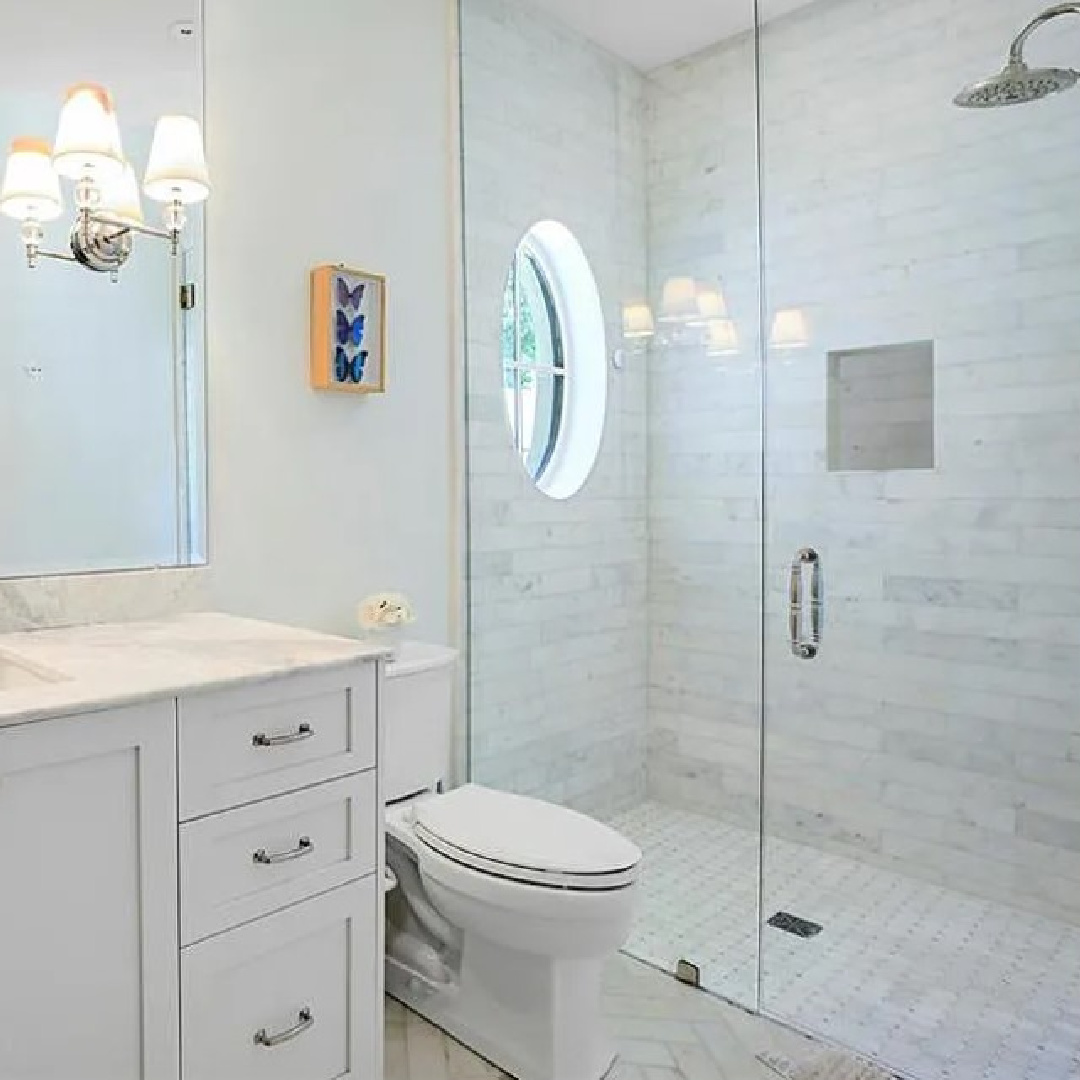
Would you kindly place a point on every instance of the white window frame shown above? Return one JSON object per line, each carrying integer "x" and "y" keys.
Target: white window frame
{"x": 523, "y": 255}
{"x": 576, "y": 298}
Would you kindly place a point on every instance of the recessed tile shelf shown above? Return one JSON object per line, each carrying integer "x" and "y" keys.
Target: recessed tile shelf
{"x": 881, "y": 408}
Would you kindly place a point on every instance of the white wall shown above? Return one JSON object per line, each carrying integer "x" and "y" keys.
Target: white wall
{"x": 939, "y": 731}
{"x": 552, "y": 129}
{"x": 329, "y": 130}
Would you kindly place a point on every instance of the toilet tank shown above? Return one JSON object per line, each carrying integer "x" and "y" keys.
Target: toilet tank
{"x": 417, "y": 710}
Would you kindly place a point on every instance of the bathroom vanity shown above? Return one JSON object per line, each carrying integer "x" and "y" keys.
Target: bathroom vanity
{"x": 190, "y": 853}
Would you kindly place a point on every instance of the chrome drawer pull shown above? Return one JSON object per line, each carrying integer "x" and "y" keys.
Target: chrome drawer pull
{"x": 305, "y": 1020}
{"x": 306, "y": 846}
{"x": 304, "y": 731}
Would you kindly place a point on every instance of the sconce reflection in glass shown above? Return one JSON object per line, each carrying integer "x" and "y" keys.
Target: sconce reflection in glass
{"x": 692, "y": 313}
{"x": 721, "y": 338}
{"x": 686, "y": 302}
{"x": 638, "y": 322}
{"x": 790, "y": 329}
{"x": 88, "y": 152}
{"x": 678, "y": 302}
{"x": 711, "y": 306}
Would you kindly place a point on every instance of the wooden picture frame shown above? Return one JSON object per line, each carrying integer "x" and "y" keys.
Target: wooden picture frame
{"x": 348, "y": 330}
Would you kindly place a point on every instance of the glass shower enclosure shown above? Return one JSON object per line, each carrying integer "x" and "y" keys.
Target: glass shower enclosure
{"x": 809, "y": 633}
{"x": 921, "y": 782}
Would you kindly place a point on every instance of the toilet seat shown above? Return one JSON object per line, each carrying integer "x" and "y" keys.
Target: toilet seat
{"x": 525, "y": 840}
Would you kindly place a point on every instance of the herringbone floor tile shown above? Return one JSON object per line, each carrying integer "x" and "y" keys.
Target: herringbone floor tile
{"x": 664, "y": 1031}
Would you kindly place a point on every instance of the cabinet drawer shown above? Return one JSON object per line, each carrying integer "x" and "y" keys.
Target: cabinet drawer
{"x": 237, "y": 746}
{"x": 247, "y": 862}
{"x": 293, "y": 996}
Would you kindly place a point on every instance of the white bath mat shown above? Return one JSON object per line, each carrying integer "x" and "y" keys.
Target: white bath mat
{"x": 827, "y": 1065}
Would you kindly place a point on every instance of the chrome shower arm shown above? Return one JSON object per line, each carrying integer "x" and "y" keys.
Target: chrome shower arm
{"x": 1016, "y": 50}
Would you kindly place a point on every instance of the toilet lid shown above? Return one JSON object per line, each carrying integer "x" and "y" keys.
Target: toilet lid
{"x": 526, "y": 839}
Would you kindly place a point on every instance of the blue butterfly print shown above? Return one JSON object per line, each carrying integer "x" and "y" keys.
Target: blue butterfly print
{"x": 341, "y": 365}
{"x": 350, "y": 331}
{"x": 349, "y": 370}
{"x": 350, "y": 298}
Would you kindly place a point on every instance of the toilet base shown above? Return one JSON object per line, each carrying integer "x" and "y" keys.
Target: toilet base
{"x": 535, "y": 1017}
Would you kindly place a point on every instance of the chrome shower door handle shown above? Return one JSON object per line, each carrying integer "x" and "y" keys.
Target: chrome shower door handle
{"x": 806, "y": 646}
{"x": 817, "y": 600}
{"x": 795, "y": 606}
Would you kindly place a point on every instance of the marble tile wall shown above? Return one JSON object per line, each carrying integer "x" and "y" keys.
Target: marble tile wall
{"x": 705, "y": 443}
{"x": 553, "y": 129}
{"x": 939, "y": 733}
{"x": 71, "y": 599}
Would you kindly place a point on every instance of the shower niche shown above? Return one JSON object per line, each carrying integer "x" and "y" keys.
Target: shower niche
{"x": 880, "y": 406}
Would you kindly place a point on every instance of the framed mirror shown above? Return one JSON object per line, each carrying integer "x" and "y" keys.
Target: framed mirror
{"x": 102, "y": 387}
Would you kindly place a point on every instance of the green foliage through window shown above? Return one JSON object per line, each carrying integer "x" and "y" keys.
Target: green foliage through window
{"x": 513, "y": 297}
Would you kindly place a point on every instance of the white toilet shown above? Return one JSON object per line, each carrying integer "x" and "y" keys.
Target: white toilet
{"x": 506, "y": 908}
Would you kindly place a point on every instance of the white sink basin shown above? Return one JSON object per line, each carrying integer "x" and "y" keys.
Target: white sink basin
{"x": 18, "y": 674}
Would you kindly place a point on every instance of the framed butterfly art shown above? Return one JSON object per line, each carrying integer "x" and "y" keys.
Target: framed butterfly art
{"x": 348, "y": 330}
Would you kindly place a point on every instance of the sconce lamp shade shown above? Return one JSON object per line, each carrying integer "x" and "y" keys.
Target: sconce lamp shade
{"x": 679, "y": 301}
{"x": 31, "y": 188}
{"x": 790, "y": 329}
{"x": 711, "y": 306}
{"x": 721, "y": 338}
{"x": 120, "y": 197}
{"x": 638, "y": 322}
{"x": 177, "y": 169}
{"x": 88, "y": 136}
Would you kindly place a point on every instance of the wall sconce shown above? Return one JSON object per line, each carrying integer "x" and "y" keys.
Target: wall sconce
{"x": 790, "y": 329}
{"x": 88, "y": 152}
{"x": 721, "y": 338}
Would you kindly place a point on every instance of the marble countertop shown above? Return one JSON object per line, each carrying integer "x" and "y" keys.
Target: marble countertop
{"x": 50, "y": 673}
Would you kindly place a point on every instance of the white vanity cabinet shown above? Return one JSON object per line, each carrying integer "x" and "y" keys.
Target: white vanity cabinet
{"x": 190, "y": 886}
{"x": 287, "y": 997}
{"x": 280, "y": 857}
{"x": 88, "y": 903}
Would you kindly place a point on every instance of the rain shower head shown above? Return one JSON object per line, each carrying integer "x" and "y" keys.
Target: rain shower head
{"x": 1016, "y": 83}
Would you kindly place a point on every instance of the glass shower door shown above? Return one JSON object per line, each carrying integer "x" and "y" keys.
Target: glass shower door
{"x": 921, "y": 818}
{"x": 699, "y": 824}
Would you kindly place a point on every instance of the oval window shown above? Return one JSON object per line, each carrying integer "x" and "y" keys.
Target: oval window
{"x": 554, "y": 359}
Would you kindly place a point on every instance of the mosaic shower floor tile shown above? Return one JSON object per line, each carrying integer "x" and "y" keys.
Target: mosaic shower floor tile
{"x": 928, "y": 982}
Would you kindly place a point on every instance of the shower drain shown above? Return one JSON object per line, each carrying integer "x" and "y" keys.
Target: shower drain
{"x": 792, "y": 924}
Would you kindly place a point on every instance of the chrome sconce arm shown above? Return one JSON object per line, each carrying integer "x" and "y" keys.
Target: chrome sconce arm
{"x": 101, "y": 242}
{"x": 32, "y": 234}
{"x": 123, "y": 227}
